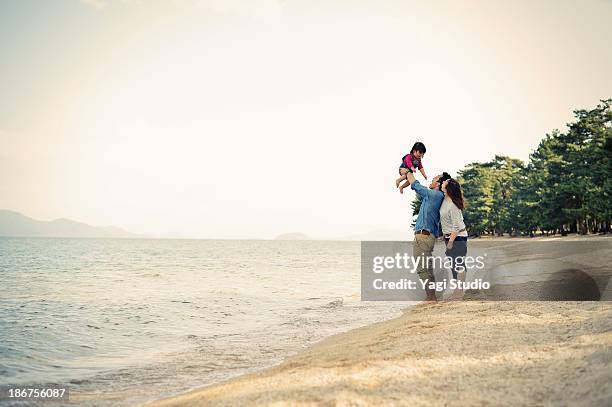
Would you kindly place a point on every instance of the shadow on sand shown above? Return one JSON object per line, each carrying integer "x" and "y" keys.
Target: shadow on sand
{"x": 562, "y": 285}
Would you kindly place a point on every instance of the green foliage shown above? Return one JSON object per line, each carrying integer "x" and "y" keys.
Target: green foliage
{"x": 565, "y": 187}
{"x": 477, "y": 181}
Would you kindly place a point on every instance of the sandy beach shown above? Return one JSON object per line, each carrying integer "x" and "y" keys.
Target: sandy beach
{"x": 459, "y": 353}
{"x": 464, "y": 353}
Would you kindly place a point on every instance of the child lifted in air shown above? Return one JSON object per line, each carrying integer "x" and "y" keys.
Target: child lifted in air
{"x": 410, "y": 163}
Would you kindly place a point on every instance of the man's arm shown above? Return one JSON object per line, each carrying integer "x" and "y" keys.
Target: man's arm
{"x": 416, "y": 185}
{"x": 410, "y": 178}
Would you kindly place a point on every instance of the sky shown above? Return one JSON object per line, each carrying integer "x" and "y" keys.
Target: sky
{"x": 253, "y": 118}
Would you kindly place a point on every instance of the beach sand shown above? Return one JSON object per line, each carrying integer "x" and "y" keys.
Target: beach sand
{"x": 462, "y": 353}
{"x": 469, "y": 353}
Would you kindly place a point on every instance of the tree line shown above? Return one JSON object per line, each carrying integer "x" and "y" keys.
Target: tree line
{"x": 564, "y": 188}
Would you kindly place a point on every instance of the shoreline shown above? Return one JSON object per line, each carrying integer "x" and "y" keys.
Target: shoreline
{"x": 476, "y": 352}
{"x": 262, "y": 370}
{"x": 179, "y": 398}
{"x": 542, "y": 352}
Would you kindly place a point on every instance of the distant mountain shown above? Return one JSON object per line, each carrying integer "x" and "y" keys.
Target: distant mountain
{"x": 293, "y": 236}
{"x": 17, "y": 225}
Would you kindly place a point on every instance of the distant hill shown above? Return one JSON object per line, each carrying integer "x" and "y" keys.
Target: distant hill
{"x": 293, "y": 236}
{"x": 17, "y": 225}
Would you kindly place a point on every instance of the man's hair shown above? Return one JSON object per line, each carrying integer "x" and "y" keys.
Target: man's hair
{"x": 418, "y": 146}
{"x": 444, "y": 177}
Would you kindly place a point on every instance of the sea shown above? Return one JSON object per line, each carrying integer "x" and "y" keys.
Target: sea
{"x": 125, "y": 321}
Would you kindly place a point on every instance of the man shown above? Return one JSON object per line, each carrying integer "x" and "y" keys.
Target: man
{"x": 426, "y": 227}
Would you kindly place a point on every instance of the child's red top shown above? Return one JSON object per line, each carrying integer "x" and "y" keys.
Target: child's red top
{"x": 412, "y": 162}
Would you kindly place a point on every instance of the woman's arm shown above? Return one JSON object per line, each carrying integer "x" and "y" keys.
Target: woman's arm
{"x": 451, "y": 239}
{"x": 457, "y": 224}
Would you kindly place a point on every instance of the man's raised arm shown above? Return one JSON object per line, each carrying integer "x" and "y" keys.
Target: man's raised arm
{"x": 410, "y": 178}
{"x": 416, "y": 185}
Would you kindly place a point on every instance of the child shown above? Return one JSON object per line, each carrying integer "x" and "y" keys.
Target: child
{"x": 410, "y": 163}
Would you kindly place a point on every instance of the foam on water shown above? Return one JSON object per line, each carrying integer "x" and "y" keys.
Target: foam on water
{"x": 128, "y": 320}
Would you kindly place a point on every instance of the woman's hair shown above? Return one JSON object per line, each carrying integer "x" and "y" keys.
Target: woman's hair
{"x": 453, "y": 190}
{"x": 445, "y": 175}
{"x": 418, "y": 146}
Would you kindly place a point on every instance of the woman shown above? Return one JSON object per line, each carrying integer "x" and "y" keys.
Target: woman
{"x": 453, "y": 228}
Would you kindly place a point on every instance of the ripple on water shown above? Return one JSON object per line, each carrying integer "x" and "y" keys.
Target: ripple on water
{"x": 138, "y": 319}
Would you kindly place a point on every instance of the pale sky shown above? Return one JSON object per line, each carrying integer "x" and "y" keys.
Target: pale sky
{"x": 252, "y": 118}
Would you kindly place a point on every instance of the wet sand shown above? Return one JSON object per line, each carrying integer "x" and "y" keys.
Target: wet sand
{"x": 475, "y": 353}
{"x": 469, "y": 353}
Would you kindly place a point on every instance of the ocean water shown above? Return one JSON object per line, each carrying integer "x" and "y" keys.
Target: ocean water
{"x": 124, "y": 321}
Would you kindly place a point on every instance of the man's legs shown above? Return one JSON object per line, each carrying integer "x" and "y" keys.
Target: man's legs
{"x": 422, "y": 250}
